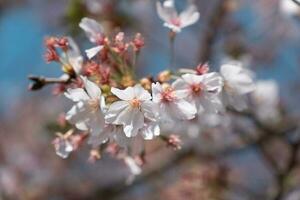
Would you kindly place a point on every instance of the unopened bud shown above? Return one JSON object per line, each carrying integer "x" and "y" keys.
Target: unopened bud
{"x": 138, "y": 42}
{"x": 202, "y": 69}
{"x": 164, "y": 76}
{"x": 146, "y": 83}
{"x": 127, "y": 81}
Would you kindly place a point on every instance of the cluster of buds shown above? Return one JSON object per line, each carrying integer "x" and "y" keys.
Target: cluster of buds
{"x": 114, "y": 108}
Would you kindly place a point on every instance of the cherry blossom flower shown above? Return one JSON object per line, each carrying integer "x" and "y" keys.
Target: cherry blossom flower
{"x": 133, "y": 111}
{"x": 172, "y": 19}
{"x": 201, "y": 90}
{"x": 265, "y": 99}
{"x": 94, "y": 32}
{"x": 238, "y": 82}
{"x": 87, "y": 113}
{"x": 172, "y": 104}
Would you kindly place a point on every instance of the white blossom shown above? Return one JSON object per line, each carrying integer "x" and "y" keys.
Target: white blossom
{"x": 265, "y": 99}
{"x": 87, "y": 113}
{"x": 94, "y": 32}
{"x": 238, "y": 82}
{"x": 134, "y": 111}
{"x": 167, "y": 12}
{"x": 172, "y": 103}
{"x": 201, "y": 90}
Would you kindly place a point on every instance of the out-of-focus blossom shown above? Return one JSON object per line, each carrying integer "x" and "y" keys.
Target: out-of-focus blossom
{"x": 172, "y": 103}
{"x": 289, "y": 8}
{"x": 203, "y": 91}
{"x": 63, "y": 145}
{"x": 138, "y": 42}
{"x": 238, "y": 82}
{"x": 87, "y": 113}
{"x": 94, "y": 6}
{"x": 174, "y": 21}
{"x": 266, "y": 101}
{"x": 133, "y": 110}
{"x": 134, "y": 168}
{"x": 94, "y": 32}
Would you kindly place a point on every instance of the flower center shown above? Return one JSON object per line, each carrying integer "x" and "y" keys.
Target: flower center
{"x": 94, "y": 105}
{"x": 197, "y": 88}
{"x": 168, "y": 95}
{"x": 176, "y": 22}
{"x": 135, "y": 103}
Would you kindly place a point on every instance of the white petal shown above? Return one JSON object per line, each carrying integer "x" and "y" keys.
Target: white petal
{"x": 213, "y": 82}
{"x": 193, "y": 78}
{"x": 189, "y": 16}
{"x": 141, "y": 94}
{"x": 77, "y": 94}
{"x": 78, "y": 114}
{"x": 167, "y": 11}
{"x": 127, "y": 94}
{"x": 92, "y": 29}
{"x": 150, "y": 130}
{"x": 115, "y": 112}
{"x": 92, "y": 89}
{"x": 156, "y": 92}
{"x": 184, "y": 110}
{"x": 133, "y": 122}
{"x": 181, "y": 87}
{"x": 150, "y": 110}
{"x": 93, "y": 51}
{"x": 237, "y": 79}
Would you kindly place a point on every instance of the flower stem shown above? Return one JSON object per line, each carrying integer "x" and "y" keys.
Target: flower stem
{"x": 172, "y": 36}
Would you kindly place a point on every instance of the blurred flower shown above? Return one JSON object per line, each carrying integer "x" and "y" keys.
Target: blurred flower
{"x": 172, "y": 104}
{"x": 266, "y": 101}
{"x": 173, "y": 21}
{"x": 133, "y": 109}
{"x": 203, "y": 91}
{"x": 94, "y": 6}
{"x": 94, "y": 32}
{"x": 134, "y": 168}
{"x": 87, "y": 113}
{"x": 138, "y": 42}
{"x": 238, "y": 81}
{"x": 63, "y": 145}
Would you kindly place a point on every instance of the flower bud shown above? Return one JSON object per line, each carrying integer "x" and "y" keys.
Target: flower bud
{"x": 164, "y": 76}
{"x": 127, "y": 81}
{"x": 138, "y": 42}
{"x": 202, "y": 69}
{"x": 146, "y": 83}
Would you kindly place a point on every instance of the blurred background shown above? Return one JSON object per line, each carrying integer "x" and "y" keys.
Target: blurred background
{"x": 263, "y": 34}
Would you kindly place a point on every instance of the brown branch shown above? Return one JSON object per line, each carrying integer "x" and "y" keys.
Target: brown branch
{"x": 38, "y": 82}
{"x": 213, "y": 25}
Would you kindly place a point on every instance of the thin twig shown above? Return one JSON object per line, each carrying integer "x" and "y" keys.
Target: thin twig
{"x": 38, "y": 82}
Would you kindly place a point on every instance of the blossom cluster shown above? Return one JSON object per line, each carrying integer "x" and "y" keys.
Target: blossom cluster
{"x": 114, "y": 109}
